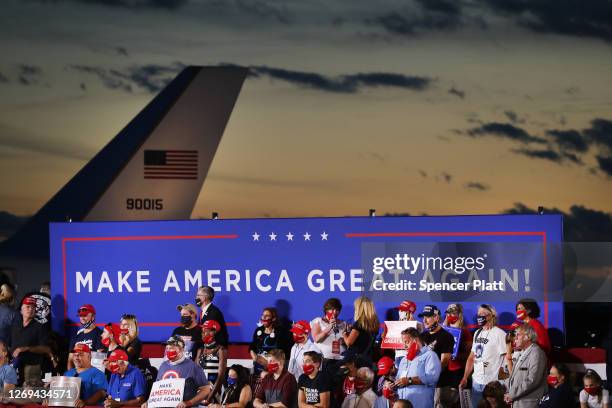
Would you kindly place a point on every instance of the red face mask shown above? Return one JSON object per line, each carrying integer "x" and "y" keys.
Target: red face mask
{"x": 521, "y": 314}
{"x": 106, "y": 342}
{"x": 266, "y": 322}
{"x": 412, "y": 351}
{"x": 308, "y": 368}
{"x": 272, "y": 367}
{"x": 208, "y": 339}
{"x": 388, "y": 393}
{"x": 452, "y": 319}
{"x": 172, "y": 355}
{"x": 552, "y": 380}
{"x": 113, "y": 366}
{"x": 125, "y": 331}
{"x": 330, "y": 315}
{"x": 298, "y": 338}
{"x": 592, "y": 390}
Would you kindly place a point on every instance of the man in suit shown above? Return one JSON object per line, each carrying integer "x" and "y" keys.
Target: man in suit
{"x": 527, "y": 382}
{"x": 204, "y": 299}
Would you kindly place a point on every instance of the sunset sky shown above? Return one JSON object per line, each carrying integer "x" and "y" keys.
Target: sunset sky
{"x": 437, "y": 107}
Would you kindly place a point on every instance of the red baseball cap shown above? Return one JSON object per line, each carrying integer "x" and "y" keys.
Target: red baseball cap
{"x": 28, "y": 301}
{"x": 300, "y": 327}
{"x": 211, "y": 325}
{"x": 407, "y": 306}
{"x": 81, "y": 348}
{"x": 384, "y": 365}
{"x": 118, "y": 355}
{"x": 85, "y": 310}
{"x": 114, "y": 329}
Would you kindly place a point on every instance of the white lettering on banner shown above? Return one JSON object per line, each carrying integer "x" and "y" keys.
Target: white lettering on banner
{"x": 336, "y": 278}
{"x": 122, "y": 281}
{"x": 320, "y": 282}
{"x": 356, "y": 279}
{"x": 105, "y": 283}
{"x": 284, "y": 281}
{"x": 141, "y": 281}
{"x": 505, "y": 277}
{"x": 258, "y": 281}
{"x": 171, "y": 282}
{"x": 193, "y": 280}
{"x": 213, "y": 282}
{"x": 80, "y": 281}
{"x": 232, "y": 278}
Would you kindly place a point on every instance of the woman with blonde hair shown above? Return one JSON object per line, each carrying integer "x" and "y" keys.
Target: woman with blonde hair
{"x": 359, "y": 338}
{"x": 129, "y": 337}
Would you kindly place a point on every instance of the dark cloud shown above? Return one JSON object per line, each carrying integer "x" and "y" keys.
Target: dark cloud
{"x": 545, "y": 154}
{"x": 600, "y": 133}
{"x": 457, "y": 92}
{"x": 475, "y": 185}
{"x": 505, "y": 131}
{"x": 568, "y": 140}
{"x": 605, "y": 164}
{"x": 10, "y": 223}
{"x": 29, "y": 74}
{"x": 581, "y": 224}
{"x": 264, "y": 9}
{"x": 579, "y": 18}
{"x": 151, "y": 78}
{"x": 345, "y": 83}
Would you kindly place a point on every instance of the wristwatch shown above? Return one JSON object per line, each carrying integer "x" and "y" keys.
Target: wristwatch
{"x": 409, "y": 380}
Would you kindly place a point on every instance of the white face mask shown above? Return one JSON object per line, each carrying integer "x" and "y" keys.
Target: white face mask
{"x": 403, "y": 315}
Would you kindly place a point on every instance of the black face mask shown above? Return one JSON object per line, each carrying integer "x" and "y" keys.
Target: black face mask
{"x": 186, "y": 320}
{"x": 198, "y": 302}
{"x": 481, "y": 320}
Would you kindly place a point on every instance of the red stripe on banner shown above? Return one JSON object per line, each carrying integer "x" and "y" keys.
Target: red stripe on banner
{"x": 470, "y": 234}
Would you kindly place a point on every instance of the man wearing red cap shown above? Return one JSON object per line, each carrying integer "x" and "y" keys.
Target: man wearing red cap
{"x": 29, "y": 342}
{"x": 301, "y": 344}
{"x": 197, "y": 387}
{"x": 212, "y": 357}
{"x": 93, "y": 381}
{"x": 126, "y": 387}
{"x": 88, "y": 333}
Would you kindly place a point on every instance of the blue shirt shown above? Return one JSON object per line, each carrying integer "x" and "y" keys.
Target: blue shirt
{"x": 426, "y": 365}
{"x": 92, "y": 381}
{"x": 127, "y": 387}
{"x": 7, "y": 376}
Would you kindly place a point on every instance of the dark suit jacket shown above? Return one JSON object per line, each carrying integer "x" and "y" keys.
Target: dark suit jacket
{"x": 214, "y": 313}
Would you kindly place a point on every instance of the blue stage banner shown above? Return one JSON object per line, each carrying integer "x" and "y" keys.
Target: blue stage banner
{"x": 147, "y": 268}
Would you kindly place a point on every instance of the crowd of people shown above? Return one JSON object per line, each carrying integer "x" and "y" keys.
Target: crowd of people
{"x": 320, "y": 362}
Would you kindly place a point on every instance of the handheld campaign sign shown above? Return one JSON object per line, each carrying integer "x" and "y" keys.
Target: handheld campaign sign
{"x": 295, "y": 265}
{"x": 166, "y": 393}
{"x": 393, "y": 338}
{"x": 457, "y": 337}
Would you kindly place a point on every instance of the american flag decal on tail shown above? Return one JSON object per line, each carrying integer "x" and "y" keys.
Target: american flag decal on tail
{"x": 171, "y": 164}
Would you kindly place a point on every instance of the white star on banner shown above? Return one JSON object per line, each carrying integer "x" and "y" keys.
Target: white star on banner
{"x": 272, "y": 236}
{"x": 255, "y": 236}
{"x": 307, "y": 237}
{"x": 289, "y": 236}
{"x": 324, "y": 236}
